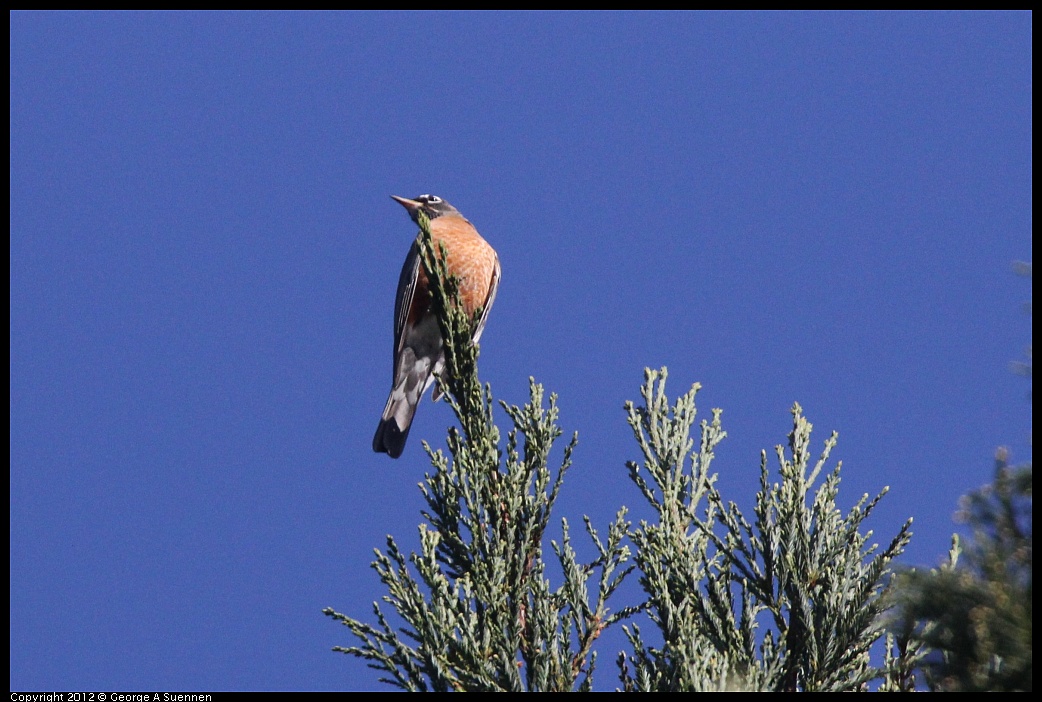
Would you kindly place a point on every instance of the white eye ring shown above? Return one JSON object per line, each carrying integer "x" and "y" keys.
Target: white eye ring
{"x": 430, "y": 199}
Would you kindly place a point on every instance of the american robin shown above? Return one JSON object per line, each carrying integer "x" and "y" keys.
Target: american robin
{"x": 418, "y": 351}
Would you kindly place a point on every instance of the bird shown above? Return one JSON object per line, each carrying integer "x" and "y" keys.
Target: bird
{"x": 419, "y": 353}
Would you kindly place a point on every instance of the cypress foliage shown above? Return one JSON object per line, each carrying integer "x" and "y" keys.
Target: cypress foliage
{"x": 789, "y": 599}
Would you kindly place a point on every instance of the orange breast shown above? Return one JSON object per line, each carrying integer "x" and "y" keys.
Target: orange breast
{"x": 469, "y": 257}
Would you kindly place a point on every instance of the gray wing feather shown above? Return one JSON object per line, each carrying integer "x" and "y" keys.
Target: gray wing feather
{"x": 403, "y": 300}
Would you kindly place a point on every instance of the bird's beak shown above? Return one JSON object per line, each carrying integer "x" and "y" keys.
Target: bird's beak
{"x": 408, "y": 204}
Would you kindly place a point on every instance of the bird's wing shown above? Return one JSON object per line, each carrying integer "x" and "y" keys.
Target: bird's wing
{"x": 403, "y": 299}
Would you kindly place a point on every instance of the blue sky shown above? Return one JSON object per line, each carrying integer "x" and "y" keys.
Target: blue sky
{"x": 819, "y": 208}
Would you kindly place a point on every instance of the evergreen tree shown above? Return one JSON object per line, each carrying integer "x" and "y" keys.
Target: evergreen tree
{"x": 975, "y": 611}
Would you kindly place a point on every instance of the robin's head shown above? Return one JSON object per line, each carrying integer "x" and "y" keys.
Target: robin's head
{"x": 432, "y": 205}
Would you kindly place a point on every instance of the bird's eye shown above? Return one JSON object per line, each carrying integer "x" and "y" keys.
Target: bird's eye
{"x": 430, "y": 199}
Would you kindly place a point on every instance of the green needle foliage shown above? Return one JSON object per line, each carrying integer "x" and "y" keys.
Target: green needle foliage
{"x": 789, "y": 599}
{"x": 975, "y": 611}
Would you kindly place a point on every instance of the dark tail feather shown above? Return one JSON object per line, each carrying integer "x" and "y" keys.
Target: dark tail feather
{"x": 389, "y": 438}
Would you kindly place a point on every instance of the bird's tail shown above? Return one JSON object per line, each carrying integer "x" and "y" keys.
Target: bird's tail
{"x": 393, "y": 430}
